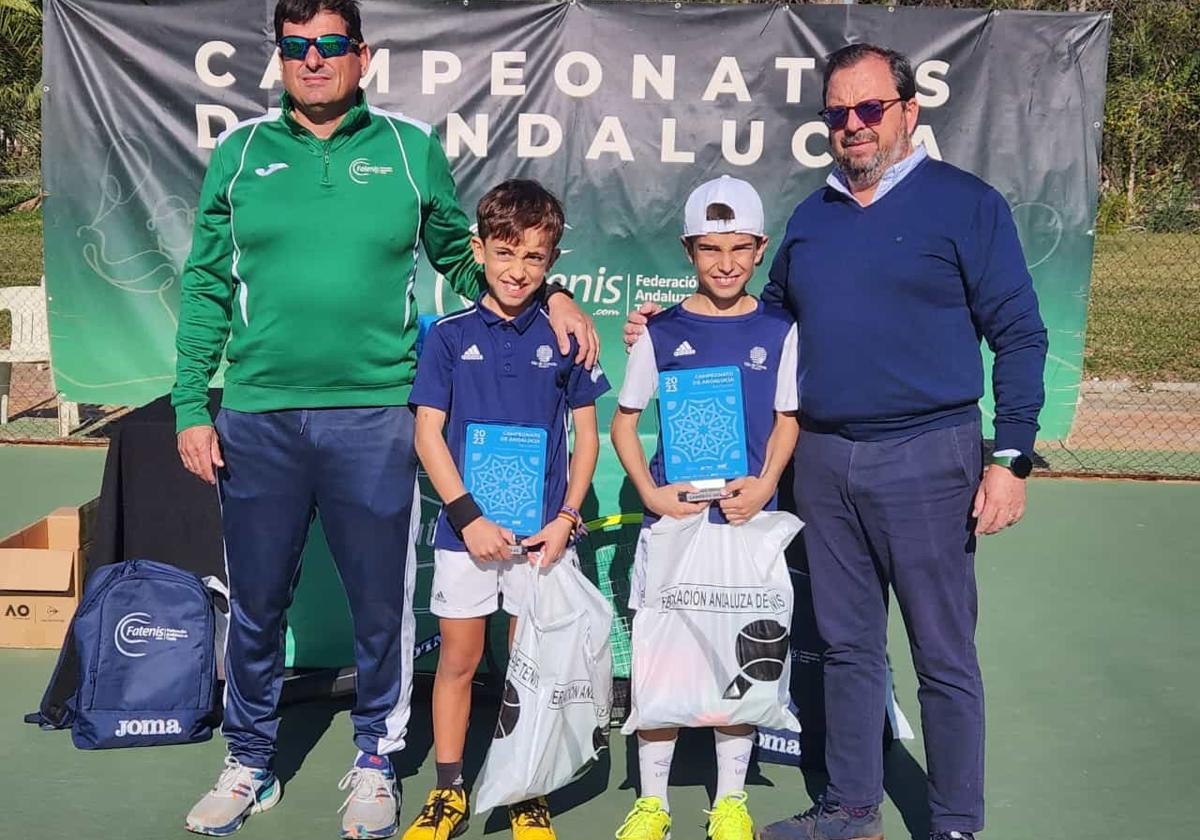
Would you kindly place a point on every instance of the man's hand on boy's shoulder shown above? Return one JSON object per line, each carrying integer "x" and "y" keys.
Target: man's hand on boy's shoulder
{"x": 487, "y": 541}
{"x": 567, "y": 319}
{"x": 752, "y": 496}
{"x": 636, "y": 323}
{"x": 665, "y": 501}
{"x": 552, "y": 540}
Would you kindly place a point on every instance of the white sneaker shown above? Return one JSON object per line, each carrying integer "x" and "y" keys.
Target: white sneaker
{"x": 239, "y": 792}
{"x": 371, "y": 806}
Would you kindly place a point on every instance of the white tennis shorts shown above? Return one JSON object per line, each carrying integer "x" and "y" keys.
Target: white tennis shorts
{"x": 464, "y": 587}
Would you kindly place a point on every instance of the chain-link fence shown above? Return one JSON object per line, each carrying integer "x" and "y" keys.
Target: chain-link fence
{"x": 30, "y": 406}
{"x": 1138, "y": 412}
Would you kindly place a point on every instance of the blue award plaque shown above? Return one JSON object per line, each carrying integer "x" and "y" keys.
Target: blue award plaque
{"x": 504, "y": 468}
{"x": 703, "y": 424}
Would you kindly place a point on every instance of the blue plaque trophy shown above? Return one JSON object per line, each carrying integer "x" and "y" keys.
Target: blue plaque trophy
{"x": 504, "y": 468}
{"x": 703, "y": 428}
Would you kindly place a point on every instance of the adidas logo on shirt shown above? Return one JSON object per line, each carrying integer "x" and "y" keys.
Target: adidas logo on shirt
{"x": 685, "y": 349}
{"x": 472, "y": 354}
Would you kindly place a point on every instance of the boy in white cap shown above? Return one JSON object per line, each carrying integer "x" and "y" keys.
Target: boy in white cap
{"x": 720, "y": 324}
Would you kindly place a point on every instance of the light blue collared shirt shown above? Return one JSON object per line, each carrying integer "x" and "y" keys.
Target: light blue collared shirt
{"x": 895, "y": 173}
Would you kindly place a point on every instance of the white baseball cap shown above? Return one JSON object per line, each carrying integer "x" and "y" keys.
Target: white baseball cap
{"x": 735, "y": 194}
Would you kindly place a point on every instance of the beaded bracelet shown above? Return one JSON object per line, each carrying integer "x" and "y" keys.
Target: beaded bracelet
{"x": 571, "y": 514}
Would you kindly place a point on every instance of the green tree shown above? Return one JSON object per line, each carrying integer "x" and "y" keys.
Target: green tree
{"x": 20, "y": 86}
{"x": 1151, "y": 156}
{"x": 1152, "y": 113}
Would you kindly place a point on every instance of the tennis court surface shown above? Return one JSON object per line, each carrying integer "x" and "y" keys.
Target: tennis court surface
{"x": 1089, "y": 638}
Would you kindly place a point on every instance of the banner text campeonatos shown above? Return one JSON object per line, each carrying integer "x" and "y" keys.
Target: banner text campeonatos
{"x": 578, "y": 75}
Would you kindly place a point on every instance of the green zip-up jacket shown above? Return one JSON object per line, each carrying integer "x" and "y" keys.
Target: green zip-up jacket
{"x": 304, "y": 258}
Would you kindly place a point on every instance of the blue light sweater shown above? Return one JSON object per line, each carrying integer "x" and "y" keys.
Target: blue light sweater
{"x": 892, "y": 300}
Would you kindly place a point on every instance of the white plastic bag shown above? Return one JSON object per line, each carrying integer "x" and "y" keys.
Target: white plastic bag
{"x": 557, "y": 692}
{"x": 710, "y": 643}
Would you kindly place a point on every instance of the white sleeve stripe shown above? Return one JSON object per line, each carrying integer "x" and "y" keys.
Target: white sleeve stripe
{"x": 271, "y": 115}
{"x": 445, "y": 319}
{"x": 236, "y": 258}
{"x": 409, "y": 298}
{"x": 423, "y": 127}
{"x": 641, "y": 375}
{"x": 787, "y": 397}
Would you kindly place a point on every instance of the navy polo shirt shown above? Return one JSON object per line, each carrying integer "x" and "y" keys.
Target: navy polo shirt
{"x": 479, "y": 368}
{"x": 762, "y": 344}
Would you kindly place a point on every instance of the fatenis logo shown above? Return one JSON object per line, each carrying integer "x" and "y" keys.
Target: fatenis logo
{"x": 361, "y": 169}
{"x": 137, "y": 628}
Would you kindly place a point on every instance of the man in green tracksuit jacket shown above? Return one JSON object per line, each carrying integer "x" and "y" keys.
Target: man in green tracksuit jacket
{"x": 301, "y": 271}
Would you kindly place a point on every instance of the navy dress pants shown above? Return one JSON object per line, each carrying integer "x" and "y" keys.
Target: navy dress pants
{"x": 897, "y": 513}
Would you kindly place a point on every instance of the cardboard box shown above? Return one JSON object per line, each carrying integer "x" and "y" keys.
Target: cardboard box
{"x": 42, "y": 568}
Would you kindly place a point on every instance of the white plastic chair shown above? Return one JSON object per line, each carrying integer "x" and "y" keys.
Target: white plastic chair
{"x": 31, "y": 343}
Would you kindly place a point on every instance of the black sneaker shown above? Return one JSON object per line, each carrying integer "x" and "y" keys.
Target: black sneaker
{"x": 827, "y": 821}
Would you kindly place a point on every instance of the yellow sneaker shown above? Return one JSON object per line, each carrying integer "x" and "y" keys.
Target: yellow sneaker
{"x": 531, "y": 820}
{"x": 647, "y": 821}
{"x": 443, "y": 816}
{"x": 730, "y": 819}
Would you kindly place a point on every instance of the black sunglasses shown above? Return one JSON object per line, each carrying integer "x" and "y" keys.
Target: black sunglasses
{"x": 870, "y": 111}
{"x": 328, "y": 46}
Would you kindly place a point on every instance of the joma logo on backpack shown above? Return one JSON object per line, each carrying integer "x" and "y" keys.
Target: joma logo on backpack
{"x": 778, "y": 743}
{"x": 156, "y": 726}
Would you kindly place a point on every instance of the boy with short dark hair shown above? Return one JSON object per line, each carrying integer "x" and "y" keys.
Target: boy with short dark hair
{"x": 719, "y": 325}
{"x": 496, "y": 364}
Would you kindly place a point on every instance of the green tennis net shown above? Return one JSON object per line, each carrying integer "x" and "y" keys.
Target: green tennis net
{"x": 606, "y": 557}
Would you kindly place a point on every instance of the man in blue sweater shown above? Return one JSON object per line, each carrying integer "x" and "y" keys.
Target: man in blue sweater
{"x": 894, "y": 272}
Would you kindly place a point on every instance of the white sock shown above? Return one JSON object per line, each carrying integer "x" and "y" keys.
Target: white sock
{"x": 733, "y": 760}
{"x": 654, "y": 765}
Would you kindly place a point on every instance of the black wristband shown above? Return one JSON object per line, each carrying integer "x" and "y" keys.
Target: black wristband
{"x": 462, "y": 512}
{"x": 551, "y": 289}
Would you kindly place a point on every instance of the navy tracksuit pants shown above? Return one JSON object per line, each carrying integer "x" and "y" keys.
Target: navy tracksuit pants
{"x": 897, "y": 513}
{"x": 356, "y": 469}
